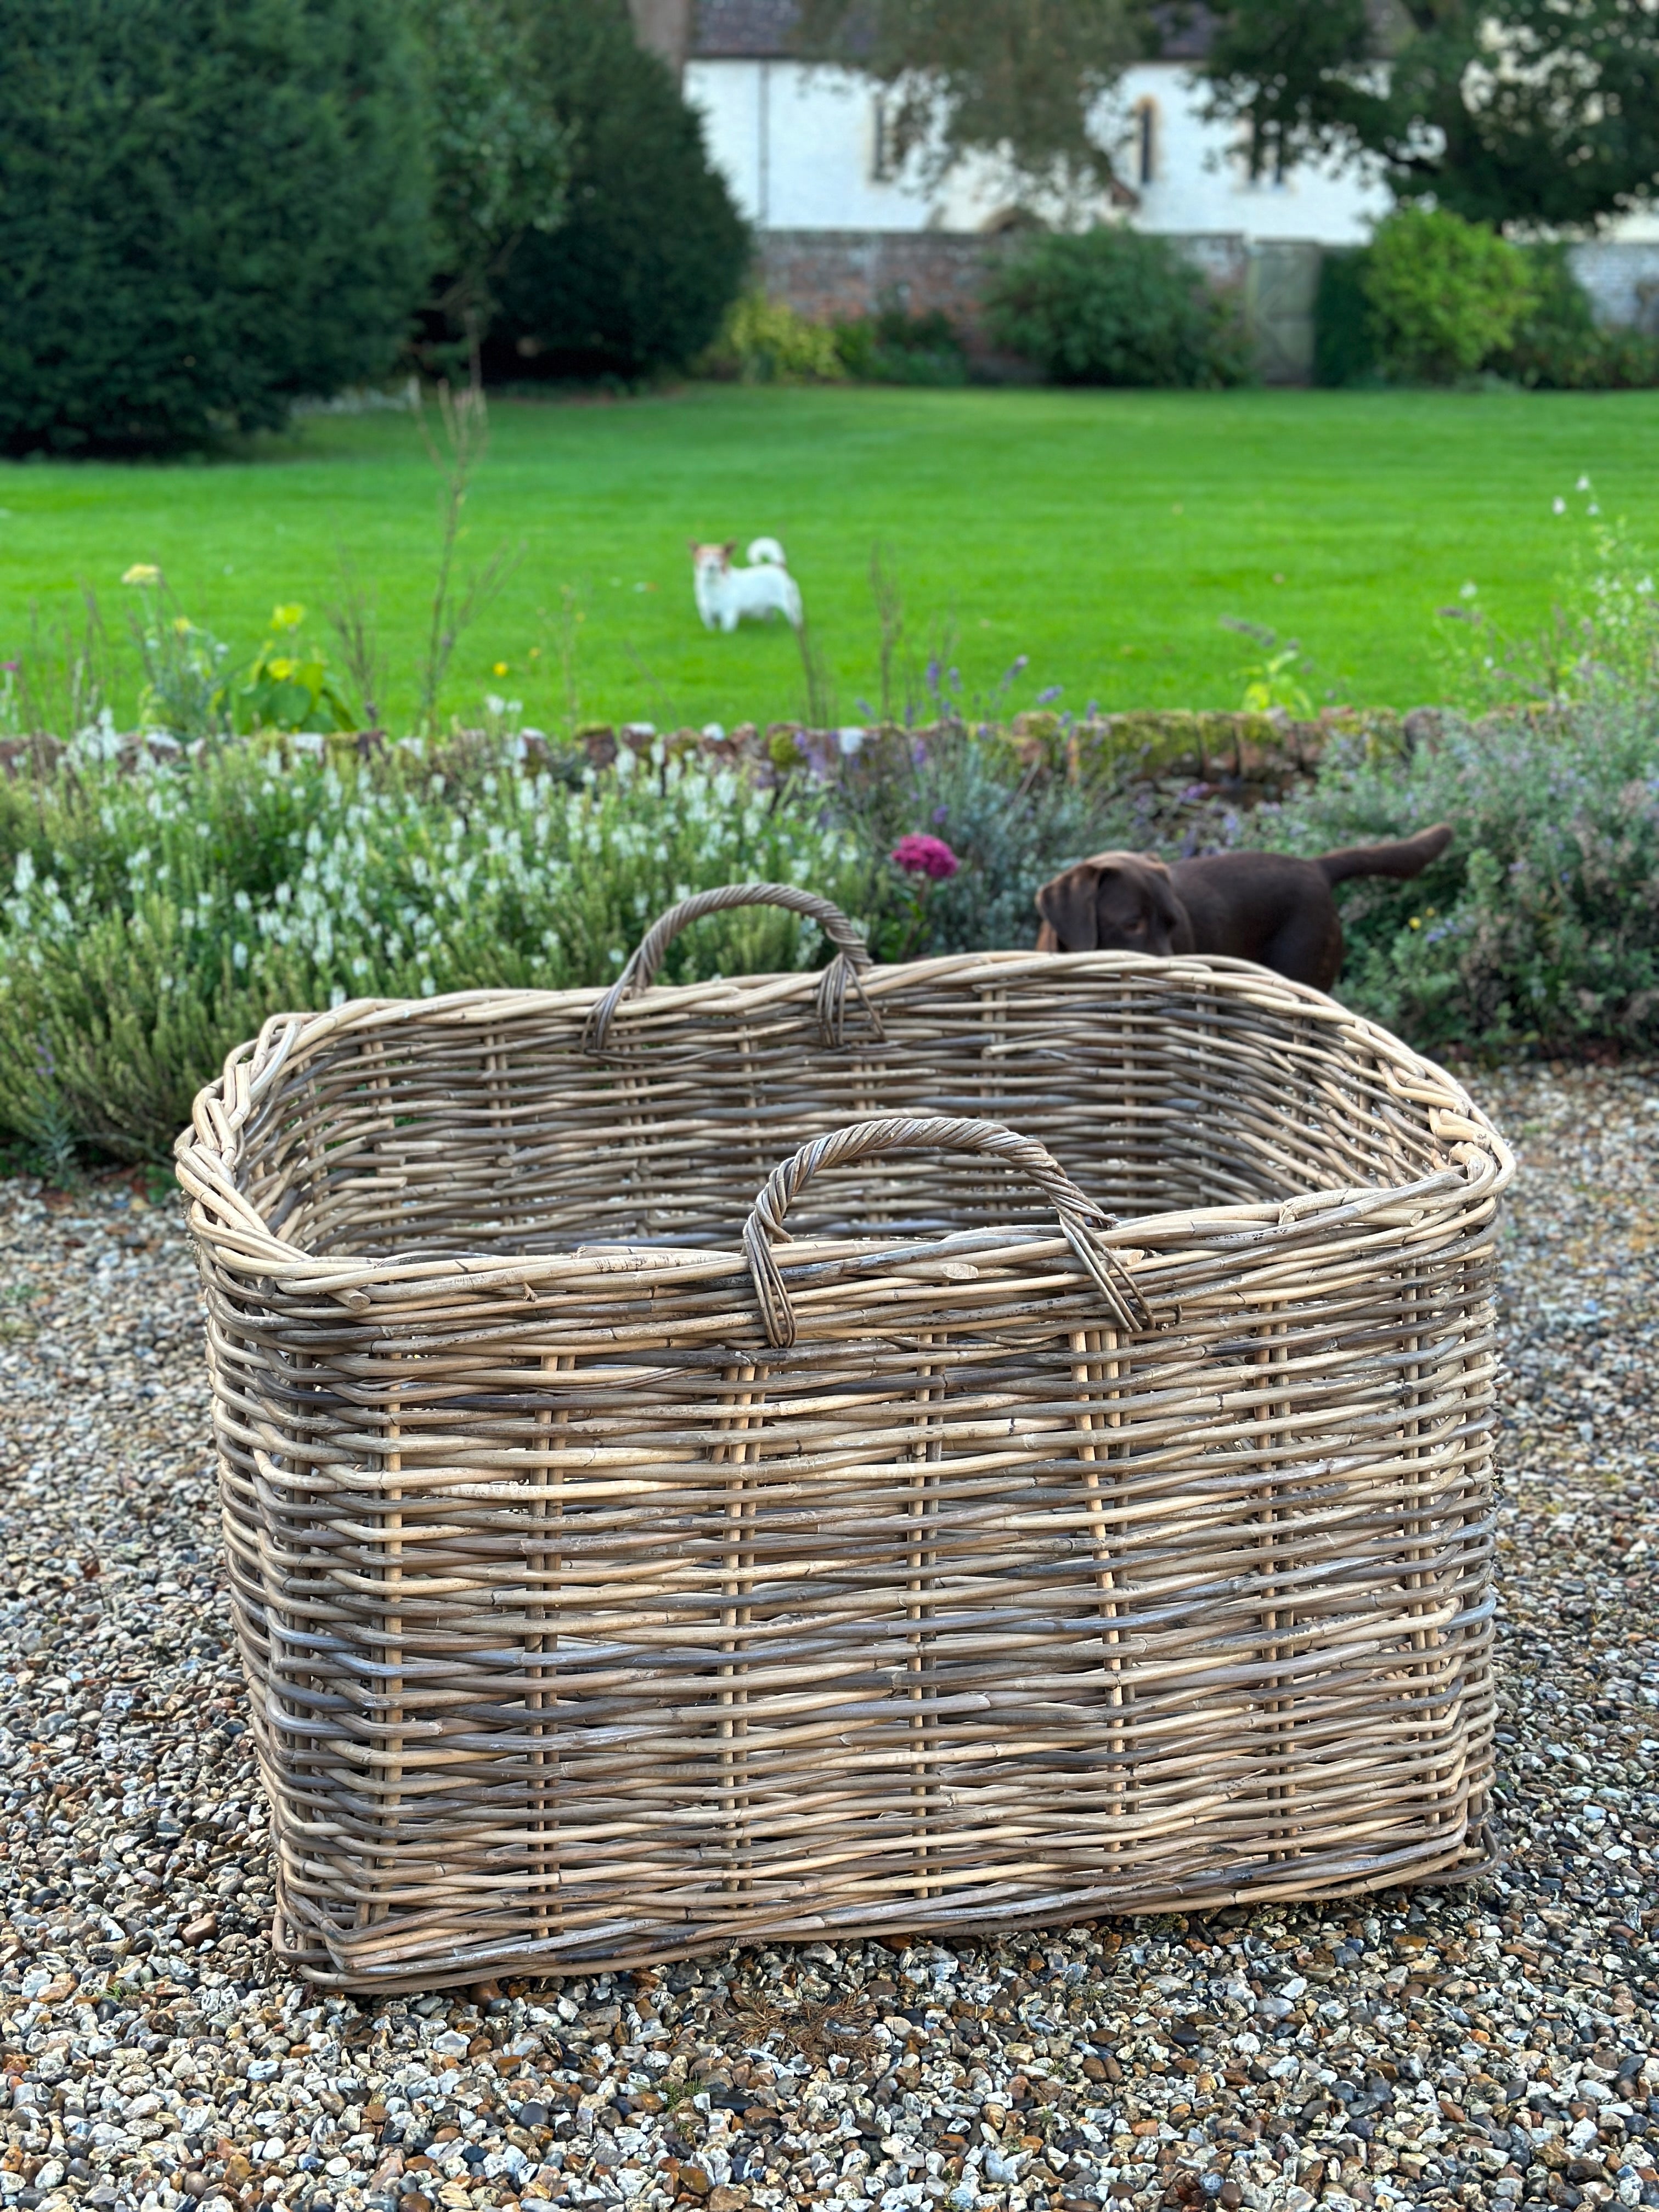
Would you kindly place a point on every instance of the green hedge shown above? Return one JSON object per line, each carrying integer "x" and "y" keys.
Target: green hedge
{"x": 207, "y": 207}
{"x": 1446, "y": 297}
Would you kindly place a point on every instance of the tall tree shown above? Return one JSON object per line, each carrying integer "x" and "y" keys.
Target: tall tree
{"x": 1021, "y": 79}
{"x": 1503, "y": 110}
{"x": 500, "y": 156}
{"x": 652, "y": 252}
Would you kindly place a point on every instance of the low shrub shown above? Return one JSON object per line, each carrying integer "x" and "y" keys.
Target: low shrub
{"x": 893, "y": 346}
{"x": 1538, "y": 928}
{"x": 154, "y": 919}
{"x": 1114, "y": 305}
{"x": 1006, "y": 838}
{"x": 765, "y": 342}
{"x": 1448, "y": 296}
{"x": 1539, "y": 924}
{"x": 1560, "y": 347}
{"x": 1556, "y": 345}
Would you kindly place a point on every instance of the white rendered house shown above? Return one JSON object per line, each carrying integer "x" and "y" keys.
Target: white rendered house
{"x": 805, "y": 148}
{"x": 840, "y": 224}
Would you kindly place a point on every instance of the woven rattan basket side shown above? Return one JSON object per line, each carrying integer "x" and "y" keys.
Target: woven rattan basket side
{"x": 622, "y": 1567}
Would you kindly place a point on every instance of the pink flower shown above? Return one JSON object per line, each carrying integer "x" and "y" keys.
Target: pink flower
{"x": 921, "y": 855}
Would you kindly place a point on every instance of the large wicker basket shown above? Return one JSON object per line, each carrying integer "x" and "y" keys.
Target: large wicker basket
{"x": 695, "y": 1465}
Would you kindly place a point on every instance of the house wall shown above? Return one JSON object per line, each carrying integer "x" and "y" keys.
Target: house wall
{"x": 1621, "y": 275}
{"x": 839, "y": 232}
{"x": 801, "y": 147}
{"x": 801, "y": 150}
{"x": 1199, "y": 182}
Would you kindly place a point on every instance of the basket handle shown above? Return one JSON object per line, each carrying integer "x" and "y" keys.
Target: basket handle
{"x": 851, "y": 954}
{"x": 1079, "y": 1217}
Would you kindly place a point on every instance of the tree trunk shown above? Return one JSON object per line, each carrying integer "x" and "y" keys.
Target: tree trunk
{"x": 664, "y": 26}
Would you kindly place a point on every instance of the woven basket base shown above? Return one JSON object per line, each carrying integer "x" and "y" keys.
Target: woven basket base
{"x": 1469, "y": 1854}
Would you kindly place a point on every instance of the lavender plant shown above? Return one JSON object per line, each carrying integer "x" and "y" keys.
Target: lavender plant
{"x": 1009, "y": 827}
{"x": 1540, "y": 925}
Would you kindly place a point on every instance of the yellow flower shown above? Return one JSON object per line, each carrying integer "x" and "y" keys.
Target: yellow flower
{"x": 142, "y": 572}
{"x": 289, "y": 617}
{"x": 501, "y": 668}
{"x": 1416, "y": 922}
{"x": 181, "y": 625}
{"x": 281, "y": 670}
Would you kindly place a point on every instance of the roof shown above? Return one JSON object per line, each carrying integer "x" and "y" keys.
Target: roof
{"x": 1185, "y": 34}
{"x": 745, "y": 30}
{"x": 764, "y": 30}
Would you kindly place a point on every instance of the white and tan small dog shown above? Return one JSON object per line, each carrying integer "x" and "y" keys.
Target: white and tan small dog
{"x": 726, "y": 595}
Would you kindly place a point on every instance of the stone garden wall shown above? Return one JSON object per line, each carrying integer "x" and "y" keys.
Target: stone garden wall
{"x": 839, "y": 275}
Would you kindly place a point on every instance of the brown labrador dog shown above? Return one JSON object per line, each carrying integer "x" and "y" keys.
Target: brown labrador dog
{"x": 1266, "y": 906}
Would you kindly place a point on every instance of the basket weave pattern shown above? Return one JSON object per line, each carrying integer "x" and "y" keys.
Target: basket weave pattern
{"x": 703, "y": 1484}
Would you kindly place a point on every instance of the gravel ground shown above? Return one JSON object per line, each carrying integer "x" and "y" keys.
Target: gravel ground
{"x": 1437, "y": 2048}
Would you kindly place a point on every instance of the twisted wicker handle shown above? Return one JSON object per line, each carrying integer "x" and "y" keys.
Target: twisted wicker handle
{"x": 1079, "y": 1217}
{"x": 851, "y": 954}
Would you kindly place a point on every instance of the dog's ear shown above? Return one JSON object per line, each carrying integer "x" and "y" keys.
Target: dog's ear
{"x": 695, "y": 547}
{"x": 1068, "y": 905}
{"x": 728, "y": 550}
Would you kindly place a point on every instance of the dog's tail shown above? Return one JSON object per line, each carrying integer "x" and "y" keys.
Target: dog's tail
{"x": 1408, "y": 856}
{"x": 765, "y": 552}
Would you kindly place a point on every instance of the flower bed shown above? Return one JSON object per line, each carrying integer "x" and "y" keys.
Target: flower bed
{"x": 161, "y": 901}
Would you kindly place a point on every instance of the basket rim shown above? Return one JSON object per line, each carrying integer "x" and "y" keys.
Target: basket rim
{"x": 207, "y": 1151}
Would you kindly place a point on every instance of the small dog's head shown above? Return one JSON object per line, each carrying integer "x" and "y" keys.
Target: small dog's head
{"x": 712, "y": 560}
{"x": 1115, "y": 902}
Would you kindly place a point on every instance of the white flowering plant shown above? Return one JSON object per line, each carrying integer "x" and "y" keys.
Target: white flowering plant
{"x": 150, "y": 920}
{"x": 1601, "y": 641}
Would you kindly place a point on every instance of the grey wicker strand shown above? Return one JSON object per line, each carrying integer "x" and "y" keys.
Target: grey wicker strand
{"x": 852, "y": 955}
{"x": 1079, "y": 1217}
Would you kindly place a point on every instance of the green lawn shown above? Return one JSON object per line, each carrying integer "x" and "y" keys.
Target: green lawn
{"x": 1105, "y": 535}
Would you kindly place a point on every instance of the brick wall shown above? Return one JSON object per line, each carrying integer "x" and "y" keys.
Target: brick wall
{"x": 836, "y": 275}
